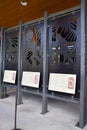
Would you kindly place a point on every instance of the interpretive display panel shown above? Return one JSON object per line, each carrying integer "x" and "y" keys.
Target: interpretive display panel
{"x": 9, "y": 76}
{"x": 31, "y": 79}
{"x": 62, "y": 83}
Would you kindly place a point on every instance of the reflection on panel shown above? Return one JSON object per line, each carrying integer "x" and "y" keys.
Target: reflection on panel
{"x": 32, "y": 47}
{"x": 63, "y": 43}
{"x": 11, "y": 50}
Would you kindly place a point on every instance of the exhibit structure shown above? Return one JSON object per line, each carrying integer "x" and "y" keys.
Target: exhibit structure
{"x": 52, "y": 45}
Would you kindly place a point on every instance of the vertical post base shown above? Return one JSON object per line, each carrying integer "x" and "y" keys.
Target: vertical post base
{"x": 44, "y": 112}
{"x": 3, "y": 93}
{"x": 44, "y": 104}
{"x": 19, "y": 99}
{"x": 80, "y": 126}
{"x": 77, "y": 125}
{"x": 19, "y": 102}
{"x": 16, "y": 129}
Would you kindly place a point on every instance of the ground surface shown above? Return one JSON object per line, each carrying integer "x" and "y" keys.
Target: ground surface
{"x": 61, "y": 115}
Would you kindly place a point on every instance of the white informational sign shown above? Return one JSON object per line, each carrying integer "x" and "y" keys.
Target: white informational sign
{"x": 9, "y": 76}
{"x": 31, "y": 79}
{"x": 62, "y": 82}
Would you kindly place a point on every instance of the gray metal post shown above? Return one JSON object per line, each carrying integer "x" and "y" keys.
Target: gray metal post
{"x": 19, "y": 65}
{"x": 45, "y": 65}
{"x": 4, "y": 89}
{"x": 1, "y": 64}
{"x": 83, "y": 71}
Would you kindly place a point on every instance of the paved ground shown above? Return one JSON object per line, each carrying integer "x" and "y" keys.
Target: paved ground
{"x": 61, "y": 115}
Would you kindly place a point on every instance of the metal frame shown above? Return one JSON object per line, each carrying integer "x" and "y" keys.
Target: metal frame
{"x": 62, "y": 98}
{"x": 4, "y": 88}
{"x": 50, "y": 16}
{"x": 45, "y": 65}
{"x": 1, "y": 64}
{"x": 65, "y": 12}
{"x": 83, "y": 69}
{"x": 19, "y": 65}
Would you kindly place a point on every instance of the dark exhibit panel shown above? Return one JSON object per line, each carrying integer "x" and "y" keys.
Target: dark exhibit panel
{"x": 11, "y": 50}
{"x": 64, "y": 47}
{"x": 32, "y": 41}
{"x": 10, "y": 57}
